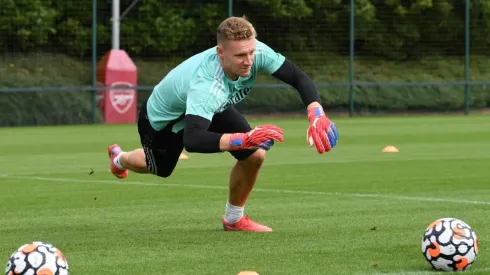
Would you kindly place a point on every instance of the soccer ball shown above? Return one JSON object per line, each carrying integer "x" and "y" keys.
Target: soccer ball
{"x": 449, "y": 244}
{"x": 37, "y": 258}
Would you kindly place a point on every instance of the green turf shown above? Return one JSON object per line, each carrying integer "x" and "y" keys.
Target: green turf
{"x": 323, "y": 208}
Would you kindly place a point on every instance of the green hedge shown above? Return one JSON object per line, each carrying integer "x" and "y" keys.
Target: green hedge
{"x": 76, "y": 107}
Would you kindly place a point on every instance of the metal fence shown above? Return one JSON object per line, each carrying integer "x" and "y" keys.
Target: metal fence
{"x": 354, "y": 73}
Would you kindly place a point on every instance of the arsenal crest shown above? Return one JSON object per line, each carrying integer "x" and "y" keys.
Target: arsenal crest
{"x": 121, "y": 100}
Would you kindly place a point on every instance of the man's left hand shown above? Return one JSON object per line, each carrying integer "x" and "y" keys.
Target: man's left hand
{"x": 322, "y": 132}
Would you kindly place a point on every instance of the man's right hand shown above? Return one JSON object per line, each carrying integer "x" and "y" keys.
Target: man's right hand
{"x": 256, "y": 137}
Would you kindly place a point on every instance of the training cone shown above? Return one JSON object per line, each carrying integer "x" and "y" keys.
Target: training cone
{"x": 247, "y": 273}
{"x": 183, "y": 156}
{"x": 390, "y": 149}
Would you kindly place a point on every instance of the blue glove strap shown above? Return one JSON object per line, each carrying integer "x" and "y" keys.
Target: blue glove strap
{"x": 267, "y": 145}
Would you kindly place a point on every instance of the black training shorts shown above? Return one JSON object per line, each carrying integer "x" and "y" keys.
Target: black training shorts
{"x": 163, "y": 148}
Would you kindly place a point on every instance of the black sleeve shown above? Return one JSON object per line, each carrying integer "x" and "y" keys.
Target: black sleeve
{"x": 294, "y": 76}
{"x": 197, "y": 138}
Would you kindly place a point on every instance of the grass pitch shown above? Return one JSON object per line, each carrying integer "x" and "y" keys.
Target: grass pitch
{"x": 354, "y": 210}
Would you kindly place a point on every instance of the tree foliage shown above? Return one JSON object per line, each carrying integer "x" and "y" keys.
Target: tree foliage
{"x": 395, "y": 29}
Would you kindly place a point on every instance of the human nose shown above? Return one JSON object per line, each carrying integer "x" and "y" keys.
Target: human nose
{"x": 249, "y": 59}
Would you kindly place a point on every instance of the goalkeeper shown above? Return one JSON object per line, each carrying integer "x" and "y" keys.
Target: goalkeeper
{"x": 192, "y": 108}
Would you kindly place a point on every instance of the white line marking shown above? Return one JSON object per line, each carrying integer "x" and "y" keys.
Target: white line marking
{"x": 430, "y": 199}
{"x": 359, "y": 195}
{"x": 123, "y": 182}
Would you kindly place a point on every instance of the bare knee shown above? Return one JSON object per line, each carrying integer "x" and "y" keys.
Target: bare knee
{"x": 257, "y": 158}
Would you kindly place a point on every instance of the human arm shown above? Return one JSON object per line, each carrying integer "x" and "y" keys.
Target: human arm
{"x": 204, "y": 99}
{"x": 322, "y": 133}
{"x": 198, "y": 139}
{"x": 291, "y": 74}
{"x": 206, "y": 96}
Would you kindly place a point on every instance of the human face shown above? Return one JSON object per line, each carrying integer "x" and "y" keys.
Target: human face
{"x": 237, "y": 57}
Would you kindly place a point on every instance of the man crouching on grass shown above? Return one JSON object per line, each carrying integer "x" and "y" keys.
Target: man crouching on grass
{"x": 192, "y": 108}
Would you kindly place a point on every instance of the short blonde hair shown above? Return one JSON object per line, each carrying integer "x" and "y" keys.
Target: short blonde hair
{"x": 235, "y": 28}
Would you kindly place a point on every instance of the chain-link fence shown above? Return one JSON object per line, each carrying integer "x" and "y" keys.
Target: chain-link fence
{"x": 365, "y": 55}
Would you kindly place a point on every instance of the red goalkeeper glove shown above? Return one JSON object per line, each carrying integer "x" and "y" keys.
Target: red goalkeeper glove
{"x": 322, "y": 132}
{"x": 256, "y": 137}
